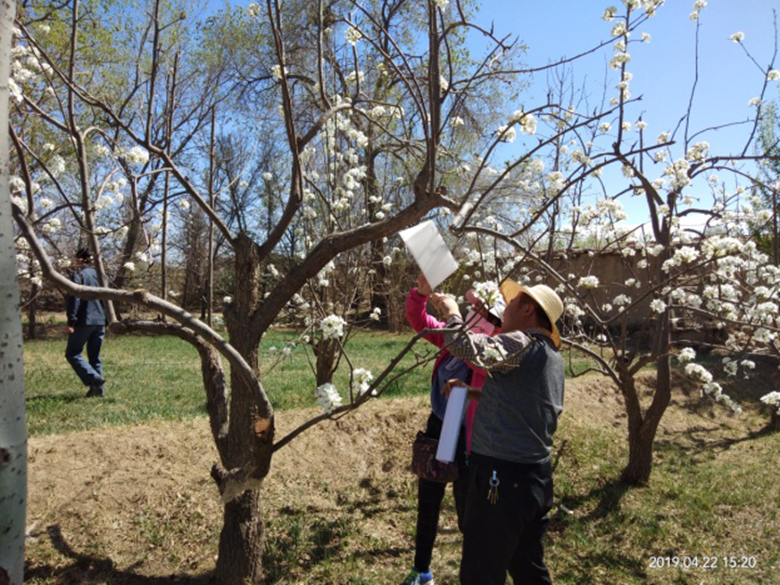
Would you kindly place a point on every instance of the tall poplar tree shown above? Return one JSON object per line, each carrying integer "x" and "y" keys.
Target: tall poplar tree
{"x": 13, "y": 432}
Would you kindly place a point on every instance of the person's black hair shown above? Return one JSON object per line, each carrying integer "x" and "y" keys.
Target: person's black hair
{"x": 541, "y": 316}
{"x": 85, "y": 255}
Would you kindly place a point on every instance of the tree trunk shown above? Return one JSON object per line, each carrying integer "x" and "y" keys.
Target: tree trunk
{"x": 241, "y": 540}
{"x": 640, "y": 453}
{"x": 32, "y": 313}
{"x": 642, "y": 429}
{"x": 13, "y": 431}
{"x": 640, "y": 456}
{"x": 325, "y": 350}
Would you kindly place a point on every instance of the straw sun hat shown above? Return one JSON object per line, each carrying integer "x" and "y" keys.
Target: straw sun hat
{"x": 544, "y": 296}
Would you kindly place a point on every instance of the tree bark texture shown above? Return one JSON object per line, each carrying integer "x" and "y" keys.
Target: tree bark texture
{"x": 249, "y": 441}
{"x": 241, "y": 541}
{"x": 13, "y": 431}
{"x": 642, "y": 428}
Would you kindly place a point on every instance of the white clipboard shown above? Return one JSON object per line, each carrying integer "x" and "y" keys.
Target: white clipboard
{"x": 429, "y": 250}
{"x": 448, "y": 441}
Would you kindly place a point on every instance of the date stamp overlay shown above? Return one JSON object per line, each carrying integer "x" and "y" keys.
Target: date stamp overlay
{"x": 703, "y": 562}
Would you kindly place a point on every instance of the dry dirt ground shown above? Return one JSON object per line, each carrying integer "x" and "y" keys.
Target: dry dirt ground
{"x": 136, "y": 504}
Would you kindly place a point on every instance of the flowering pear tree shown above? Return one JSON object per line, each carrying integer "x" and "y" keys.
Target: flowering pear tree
{"x": 693, "y": 264}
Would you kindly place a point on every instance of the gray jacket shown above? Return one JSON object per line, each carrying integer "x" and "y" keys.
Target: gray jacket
{"x": 522, "y": 396}
{"x": 82, "y": 312}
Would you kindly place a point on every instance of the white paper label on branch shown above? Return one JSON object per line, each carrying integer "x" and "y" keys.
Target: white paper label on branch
{"x": 453, "y": 416}
{"x": 429, "y": 250}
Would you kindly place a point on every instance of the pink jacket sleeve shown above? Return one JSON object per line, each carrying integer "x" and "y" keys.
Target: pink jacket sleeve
{"x": 417, "y": 316}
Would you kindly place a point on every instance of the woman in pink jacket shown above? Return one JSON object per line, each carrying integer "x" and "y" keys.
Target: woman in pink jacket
{"x": 446, "y": 367}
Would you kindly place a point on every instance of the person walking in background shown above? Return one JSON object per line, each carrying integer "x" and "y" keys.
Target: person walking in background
{"x": 430, "y": 493}
{"x": 86, "y": 326}
{"x": 510, "y": 490}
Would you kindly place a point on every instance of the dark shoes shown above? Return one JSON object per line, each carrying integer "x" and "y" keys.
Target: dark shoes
{"x": 96, "y": 388}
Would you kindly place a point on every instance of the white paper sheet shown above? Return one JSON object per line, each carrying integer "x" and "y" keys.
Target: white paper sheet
{"x": 453, "y": 416}
{"x": 429, "y": 250}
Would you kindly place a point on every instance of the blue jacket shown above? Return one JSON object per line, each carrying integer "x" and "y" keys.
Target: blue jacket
{"x": 82, "y": 312}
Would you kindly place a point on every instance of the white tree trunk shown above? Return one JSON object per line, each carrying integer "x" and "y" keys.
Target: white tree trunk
{"x": 13, "y": 433}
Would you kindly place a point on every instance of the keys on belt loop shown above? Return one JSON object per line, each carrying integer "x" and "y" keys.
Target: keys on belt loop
{"x": 492, "y": 495}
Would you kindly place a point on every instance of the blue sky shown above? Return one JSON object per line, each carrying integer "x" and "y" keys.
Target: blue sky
{"x": 663, "y": 69}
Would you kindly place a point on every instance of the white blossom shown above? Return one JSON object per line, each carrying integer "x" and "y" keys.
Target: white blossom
{"x": 136, "y": 155}
{"x": 618, "y": 29}
{"x": 737, "y": 37}
{"x": 698, "y": 152}
{"x": 276, "y": 72}
{"x": 657, "y": 306}
{"x": 622, "y": 300}
{"x": 506, "y": 134}
{"x": 619, "y": 59}
{"x": 698, "y": 372}
{"x": 687, "y": 354}
{"x": 328, "y": 397}
{"x": 487, "y": 292}
{"x": 332, "y": 327}
{"x": 361, "y": 380}
{"x": 52, "y": 225}
{"x": 352, "y": 35}
{"x": 772, "y": 399}
{"x": 589, "y": 282}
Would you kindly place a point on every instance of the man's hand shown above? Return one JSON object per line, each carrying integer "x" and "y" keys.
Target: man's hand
{"x": 445, "y": 305}
{"x": 70, "y": 330}
{"x": 473, "y": 392}
{"x": 423, "y": 288}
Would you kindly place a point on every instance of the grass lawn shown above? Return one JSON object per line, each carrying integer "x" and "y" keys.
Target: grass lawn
{"x": 159, "y": 378}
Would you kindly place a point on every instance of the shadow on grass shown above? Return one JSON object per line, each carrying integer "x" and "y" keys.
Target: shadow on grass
{"x": 61, "y": 398}
{"x": 304, "y": 541}
{"x": 85, "y": 568}
{"x": 590, "y": 564}
{"x": 300, "y": 539}
{"x": 608, "y": 495}
{"x": 590, "y": 568}
{"x": 696, "y": 444}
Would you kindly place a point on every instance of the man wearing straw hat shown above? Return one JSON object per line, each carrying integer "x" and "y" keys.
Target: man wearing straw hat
{"x": 510, "y": 482}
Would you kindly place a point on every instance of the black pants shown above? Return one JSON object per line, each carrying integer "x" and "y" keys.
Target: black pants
{"x": 503, "y": 530}
{"x": 430, "y": 495}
